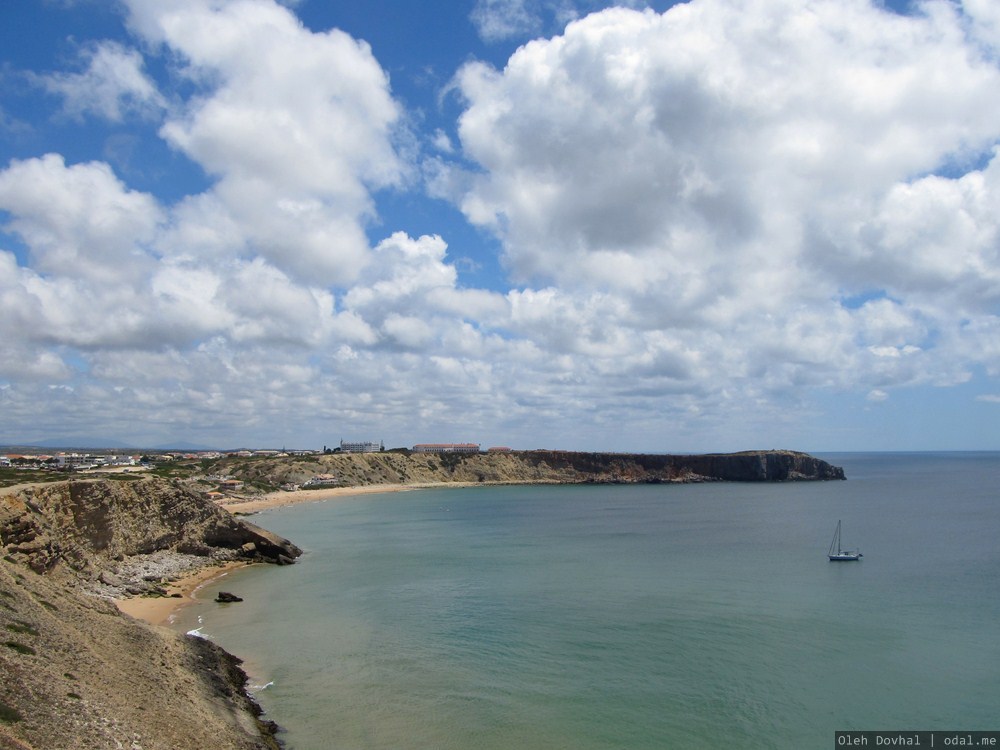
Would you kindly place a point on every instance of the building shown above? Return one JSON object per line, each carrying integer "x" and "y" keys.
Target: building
{"x": 361, "y": 447}
{"x": 446, "y": 448}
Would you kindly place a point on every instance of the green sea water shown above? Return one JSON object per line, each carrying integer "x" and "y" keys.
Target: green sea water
{"x": 633, "y": 617}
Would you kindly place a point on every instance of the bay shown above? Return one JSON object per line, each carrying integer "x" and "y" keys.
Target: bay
{"x": 644, "y": 616}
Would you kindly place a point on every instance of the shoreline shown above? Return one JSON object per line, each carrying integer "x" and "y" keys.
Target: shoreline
{"x": 281, "y": 499}
{"x": 163, "y": 610}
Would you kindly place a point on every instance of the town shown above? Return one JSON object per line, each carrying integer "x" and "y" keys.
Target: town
{"x": 97, "y": 460}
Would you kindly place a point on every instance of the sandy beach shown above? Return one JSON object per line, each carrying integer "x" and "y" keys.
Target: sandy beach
{"x": 161, "y": 610}
{"x": 295, "y": 497}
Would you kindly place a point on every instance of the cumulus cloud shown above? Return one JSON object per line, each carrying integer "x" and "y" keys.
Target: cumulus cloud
{"x": 745, "y": 169}
{"x": 706, "y": 215}
{"x": 112, "y": 86}
{"x": 297, "y": 128}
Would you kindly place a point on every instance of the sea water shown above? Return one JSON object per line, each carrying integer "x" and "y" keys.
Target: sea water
{"x": 648, "y": 616}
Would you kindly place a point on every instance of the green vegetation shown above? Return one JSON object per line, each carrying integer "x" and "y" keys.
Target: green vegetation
{"x": 9, "y": 476}
{"x": 20, "y": 648}
{"x": 450, "y": 460}
{"x": 21, "y": 627}
{"x": 9, "y": 714}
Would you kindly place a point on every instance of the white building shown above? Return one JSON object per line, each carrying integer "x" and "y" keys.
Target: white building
{"x": 361, "y": 447}
{"x": 446, "y": 448}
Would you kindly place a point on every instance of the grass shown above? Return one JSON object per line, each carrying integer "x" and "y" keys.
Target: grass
{"x": 11, "y": 476}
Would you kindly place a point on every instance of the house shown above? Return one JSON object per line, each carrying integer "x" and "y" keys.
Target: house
{"x": 446, "y": 448}
{"x": 361, "y": 447}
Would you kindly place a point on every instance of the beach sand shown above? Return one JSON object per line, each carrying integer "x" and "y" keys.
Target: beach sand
{"x": 162, "y": 610}
{"x": 279, "y": 499}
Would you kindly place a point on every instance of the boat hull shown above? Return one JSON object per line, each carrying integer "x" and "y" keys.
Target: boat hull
{"x": 845, "y": 558}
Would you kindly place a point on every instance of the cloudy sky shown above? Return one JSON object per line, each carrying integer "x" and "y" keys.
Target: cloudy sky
{"x": 713, "y": 225}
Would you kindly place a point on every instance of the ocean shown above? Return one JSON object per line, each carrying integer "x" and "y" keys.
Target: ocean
{"x": 632, "y": 617}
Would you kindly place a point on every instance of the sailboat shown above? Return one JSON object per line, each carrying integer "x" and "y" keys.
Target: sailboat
{"x": 841, "y": 555}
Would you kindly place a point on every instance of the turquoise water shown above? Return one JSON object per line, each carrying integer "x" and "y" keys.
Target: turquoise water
{"x": 631, "y": 616}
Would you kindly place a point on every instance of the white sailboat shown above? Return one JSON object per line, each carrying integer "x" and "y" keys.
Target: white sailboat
{"x": 841, "y": 555}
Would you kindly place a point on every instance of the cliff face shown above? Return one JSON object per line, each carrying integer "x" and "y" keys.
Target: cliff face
{"x": 537, "y": 466}
{"x": 76, "y": 673}
{"x": 88, "y": 526}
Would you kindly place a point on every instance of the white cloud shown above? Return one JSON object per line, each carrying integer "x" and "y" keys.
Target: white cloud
{"x": 707, "y": 216}
{"x": 726, "y": 174}
{"x": 80, "y": 221}
{"x": 296, "y": 126}
{"x": 496, "y": 20}
{"x": 113, "y": 85}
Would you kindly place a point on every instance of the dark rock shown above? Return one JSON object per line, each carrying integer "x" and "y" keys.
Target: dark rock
{"x": 224, "y": 597}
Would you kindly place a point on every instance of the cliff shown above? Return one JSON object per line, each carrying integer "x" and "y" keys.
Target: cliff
{"x": 76, "y": 673}
{"x": 401, "y": 467}
{"x": 88, "y": 527}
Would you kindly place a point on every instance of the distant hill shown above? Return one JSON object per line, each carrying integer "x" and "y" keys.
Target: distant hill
{"x": 77, "y": 444}
{"x": 82, "y": 445}
{"x": 182, "y": 446}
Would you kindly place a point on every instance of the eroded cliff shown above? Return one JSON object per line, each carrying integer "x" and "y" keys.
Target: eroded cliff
{"x": 74, "y": 671}
{"x": 88, "y": 527}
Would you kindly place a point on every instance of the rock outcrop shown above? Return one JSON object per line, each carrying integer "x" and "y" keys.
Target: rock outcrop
{"x": 90, "y": 527}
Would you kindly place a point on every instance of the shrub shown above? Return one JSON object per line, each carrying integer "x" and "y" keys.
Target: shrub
{"x": 21, "y": 627}
{"x": 20, "y": 647}
{"x": 9, "y": 714}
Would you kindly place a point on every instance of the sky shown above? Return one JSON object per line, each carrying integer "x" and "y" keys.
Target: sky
{"x": 706, "y": 226}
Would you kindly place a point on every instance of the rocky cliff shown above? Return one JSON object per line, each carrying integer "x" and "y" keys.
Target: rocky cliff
{"x": 76, "y": 673}
{"x": 89, "y": 527}
{"x": 400, "y": 467}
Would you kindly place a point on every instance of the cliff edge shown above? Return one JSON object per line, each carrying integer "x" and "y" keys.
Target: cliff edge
{"x": 538, "y": 466}
{"x": 74, "y": 671}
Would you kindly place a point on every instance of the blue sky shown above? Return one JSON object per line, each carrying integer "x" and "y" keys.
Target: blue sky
{"x": 701, "y": 226}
